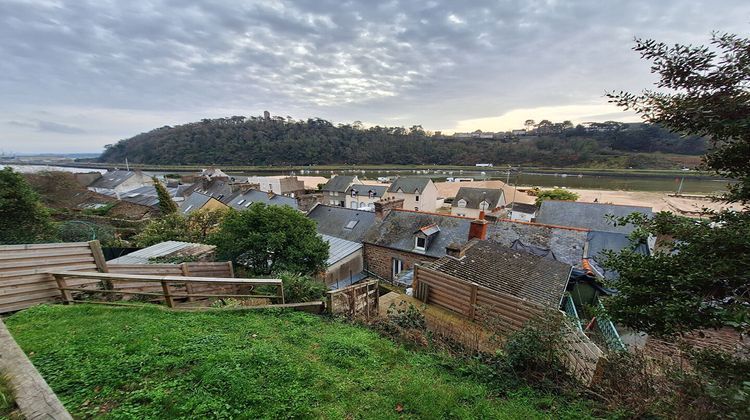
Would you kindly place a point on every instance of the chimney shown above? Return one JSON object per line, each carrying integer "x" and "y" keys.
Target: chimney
{"x": 455, "y": 250}
{"x": 478, "y": 228}
{"x": 385, "y": 205}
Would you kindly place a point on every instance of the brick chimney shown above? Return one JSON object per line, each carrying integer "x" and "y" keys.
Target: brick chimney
{"x": 478, "y": 228}
{"x": 455, "y": 250}
{"x": 385, "y": 205}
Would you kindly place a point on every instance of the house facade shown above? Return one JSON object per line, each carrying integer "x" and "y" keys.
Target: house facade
{"x": 118, "y": 182}
{"x": 289, "y": 186}
{"x": 364, "y": 197}
{"x": 334, "y": 191}
{"x": 521, "y": 211}
{"x": 198, "y": 201}
{"x": 418, "y": 193}
{"x": 469, "y": 202}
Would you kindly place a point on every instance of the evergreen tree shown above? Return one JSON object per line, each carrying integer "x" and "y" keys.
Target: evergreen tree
{"x": 23, "y": 218}
{"x": 166, "y": 204}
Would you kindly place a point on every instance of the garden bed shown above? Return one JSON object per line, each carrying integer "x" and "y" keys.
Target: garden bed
{"x": 150, "y": 363}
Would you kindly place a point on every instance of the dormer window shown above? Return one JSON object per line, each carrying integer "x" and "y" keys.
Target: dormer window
{"x": 462, "y": 203}
{"x": 420, "y": 243}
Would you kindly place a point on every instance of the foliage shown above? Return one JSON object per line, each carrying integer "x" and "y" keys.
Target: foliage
{"x": 277, "y": 141}
{"x": 80, "y": 231}
{"x": 698, "y": 278}
{"x": 555, "y": 194}
{"x": 166, "y": 204}
{"x": 195, "y": 227}
{"x": 150, "y": 363}
{"x": 270, "y": 239}
{"x": 706, "y": 384}
{"x": 100, "y": 211}
{"x": 24, "y": 218}
{"x": 8, "y": 409}
{"x": 301, "y": 288}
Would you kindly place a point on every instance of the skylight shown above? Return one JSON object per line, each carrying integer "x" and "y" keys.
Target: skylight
{"x": 351, "y": 224}
{"x": 248, "y": 203}
{"x": 241, "y": 201}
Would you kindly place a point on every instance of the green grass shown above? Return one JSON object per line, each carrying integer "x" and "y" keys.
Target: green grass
{"x": 151, "y": 363}
{"x": 8, "y": 409}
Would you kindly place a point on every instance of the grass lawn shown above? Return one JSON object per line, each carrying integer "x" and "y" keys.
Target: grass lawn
{"x": 150, "y": 363}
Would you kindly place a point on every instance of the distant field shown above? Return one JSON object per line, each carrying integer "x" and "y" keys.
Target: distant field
{"x": 149, "y": 363}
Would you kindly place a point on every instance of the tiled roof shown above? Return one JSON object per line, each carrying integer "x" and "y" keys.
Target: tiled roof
{"x": 398, "y": 228}
{"x": 566, "y": 244}
{"x": 194, "y": 202}
{"x": 339, "y": 183}
{"x": 242, "y": 200}
{"x": 504, "y": 270}
{"x": 475, "y": 196}
{"x": 522, "y": 207}
{"x": 112, "y": 179}
{"x": 341, "y": 222}
{"x": 146, "y": 195}
{"x": 409, "y": 184}
{"x": 363, "y": 190}
{"x": 591, "y": 216}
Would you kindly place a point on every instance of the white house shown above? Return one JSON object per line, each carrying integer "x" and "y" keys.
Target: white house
{"x": 469, "y": 202}
{"x": 418, "y": 193}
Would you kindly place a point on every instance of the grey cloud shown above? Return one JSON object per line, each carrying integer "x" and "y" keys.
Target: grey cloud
{"x": 420, "y": 62}
{"x": 47, "y": 127}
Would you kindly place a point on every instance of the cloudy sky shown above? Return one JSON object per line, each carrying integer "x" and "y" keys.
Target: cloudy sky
{"x": 76, "y": 75}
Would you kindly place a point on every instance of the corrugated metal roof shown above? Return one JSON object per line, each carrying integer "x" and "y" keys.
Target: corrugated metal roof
{"x": 339, "y": 248}
{"x": 143, "y": 256}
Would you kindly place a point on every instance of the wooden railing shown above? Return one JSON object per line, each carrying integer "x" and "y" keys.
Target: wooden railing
{"x": 172, "y": 287}
{"x": 355, "y": 300}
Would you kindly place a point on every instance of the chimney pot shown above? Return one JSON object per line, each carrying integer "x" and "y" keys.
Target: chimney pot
{"x": 478, "y": 228}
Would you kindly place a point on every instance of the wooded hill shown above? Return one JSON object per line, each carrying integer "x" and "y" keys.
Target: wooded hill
{"x": 278, "y": 141}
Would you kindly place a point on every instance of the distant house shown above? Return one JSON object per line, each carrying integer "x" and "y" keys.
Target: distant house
{"x": 117, "y": 182}
{"x": 483, "y": 279}
{"x": 334, "y": 191}
{"x": 592, "y": 216}
{"x": 344, "y": 230}
{"x": 199, "y": 201}
{"x": 521, "y": 211}
{"x": 364, "y": 196}
{"x": 405, "y": 238}
{"x": 243, "y": 199}
{"x": 282, "y": 185}
{"x": 147, "y": 196}
{"x": 418, "y": 193}
{"x": 470, "y": 201}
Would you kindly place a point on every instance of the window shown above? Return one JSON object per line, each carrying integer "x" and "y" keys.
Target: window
{"x": 396, "y": 267}
{"x": 462, "y": 203}
{"x": 351, "y": 224}
{"x": 188, "y": 208}
{"x": 248, "y": 204}
{"x": 416, "y": 197}
{"x": 416, "y": 208}
{"x": 240, "y": 202}
{"x": 420, "y": 243}
{"x": 353, "y": 204}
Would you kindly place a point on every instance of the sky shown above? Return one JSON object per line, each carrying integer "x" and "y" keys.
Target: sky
{"x": 76, "y": 75}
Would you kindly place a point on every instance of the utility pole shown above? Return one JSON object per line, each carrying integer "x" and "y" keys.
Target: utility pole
{"x": 679, "y": 189}
{"x": 127, "y": 167}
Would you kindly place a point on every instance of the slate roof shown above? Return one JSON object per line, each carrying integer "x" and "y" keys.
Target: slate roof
{"x": 409, "y": 184}
{"x": 474, "y": 196}
{"x": 194, "y": 202}
{"x": 112, "y": 179}
{"x": 241, "y": 201}
{"x": 164, "y": 249}
{"x": 399, "y": 226}
{"x": 567, "y": 244}
{"x": 520, "y": 274}
{"x": 146, "y": 195}
{"x": 364, "y": 190}
{"x": 338, "y": 248}
{"x": 591, "y": 216}
{"x": 217, "y": 188}
{"x": 598, "y": 242}
{"x": 522, "y": 207}
{"x": 339, "y": 183}
{"x": 333, "y": 221}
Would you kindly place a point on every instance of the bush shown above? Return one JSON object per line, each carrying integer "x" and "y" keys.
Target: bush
{"x": 556, "y": 194}
{"x": 299, "y": 288}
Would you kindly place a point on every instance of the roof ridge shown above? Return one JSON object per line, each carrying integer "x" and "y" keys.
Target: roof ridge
{"x": 545, "y": 225}
{"x": 433, "y": 214}
{"x": 606, "y": 204}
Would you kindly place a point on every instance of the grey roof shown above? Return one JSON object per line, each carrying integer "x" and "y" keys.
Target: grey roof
{"x": 142, "y": 256}
{"x": 475, "y": 196}
{"x": 364, "y": 190}
{"x": 339, "y": 183}
{"x": 242, "y": 200}
{"x": 409, "y": 184}
{"x": 499, "y": 268}
{"x": 146, "y": 195}
{"x": 217, "y": 188}
{"x": 567, "y": 244}
{"x": 397, "y": 231}
{"x": 598, "y": 242}
{"x": 333, "y": 221}
{"x": 112, "y": 179}
{"x": 194, "y": 202}
{"x": 591, "y": 216}
{"x": 338, "y": 248}
{"x": 522, "y": 207}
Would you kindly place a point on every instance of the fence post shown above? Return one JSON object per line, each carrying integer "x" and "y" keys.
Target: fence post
{"x": 367, "y": 300}
{"x": 167, "y": 295}
{"x": 61, "y": 284}
{"x": 101, "y": 263}
{"x": 377, "y": 297}
{"x": 188, "y": 285}
{"x": 472, "y": 301}
{"x": 329, "y": 302}
{"x": 280, "y": 292}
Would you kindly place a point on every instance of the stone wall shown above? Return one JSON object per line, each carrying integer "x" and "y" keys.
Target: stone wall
{"x": 378, "y": 260}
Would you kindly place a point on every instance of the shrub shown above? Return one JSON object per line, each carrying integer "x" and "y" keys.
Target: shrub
{"x": 555, "y": 194}
{"x": 300, "y": 288}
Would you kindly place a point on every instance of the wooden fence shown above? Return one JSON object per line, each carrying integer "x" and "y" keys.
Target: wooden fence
{"x": 25, "y": 278}
{"x": 80, "y": 286}
{"x": 504, "y": 313}
{"x": 24, "y": 270}
{"x": 361, "y": 299}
